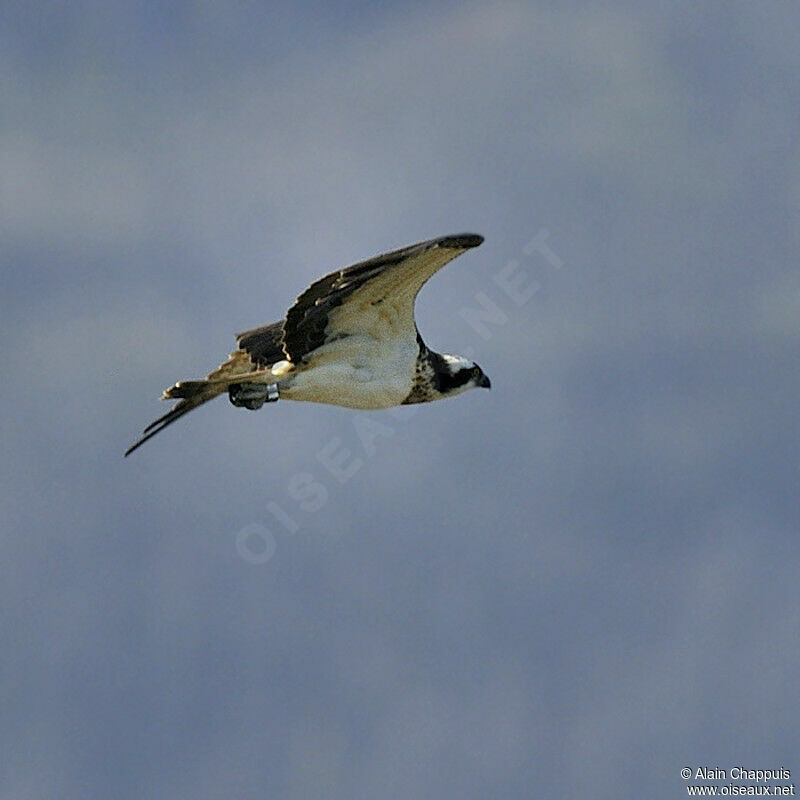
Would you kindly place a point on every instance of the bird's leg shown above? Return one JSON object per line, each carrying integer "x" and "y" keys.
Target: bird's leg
{"x": 253, "y": 395}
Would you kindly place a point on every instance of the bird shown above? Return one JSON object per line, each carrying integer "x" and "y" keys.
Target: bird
{"x": 350, "y": 339}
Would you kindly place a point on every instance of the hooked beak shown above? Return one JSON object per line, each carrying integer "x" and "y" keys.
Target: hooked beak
{"x": 485, "y": 383}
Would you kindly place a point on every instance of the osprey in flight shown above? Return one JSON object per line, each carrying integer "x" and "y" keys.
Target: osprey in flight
{"x": 349, "y": 340}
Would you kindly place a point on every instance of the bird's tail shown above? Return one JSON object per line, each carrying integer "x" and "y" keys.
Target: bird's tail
{"x": 194, "y": 393}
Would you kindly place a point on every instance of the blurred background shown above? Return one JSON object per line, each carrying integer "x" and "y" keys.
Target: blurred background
{"x": 573, "y": 585}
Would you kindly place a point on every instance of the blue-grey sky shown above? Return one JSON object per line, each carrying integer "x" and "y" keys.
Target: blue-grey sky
{"x": 573, "y": 585}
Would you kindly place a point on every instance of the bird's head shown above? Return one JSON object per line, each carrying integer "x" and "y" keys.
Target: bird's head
{"x": 456, "y": 374}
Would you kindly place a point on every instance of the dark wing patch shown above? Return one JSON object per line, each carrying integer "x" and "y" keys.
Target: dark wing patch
{"x": 264, "y": 345}
{"x": 307, "y": 320}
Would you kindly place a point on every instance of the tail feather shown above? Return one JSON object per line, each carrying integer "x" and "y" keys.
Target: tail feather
{"x": 183, "y": 389}
{"x": 183, "y": 407}
{"x": 192, "y": 394}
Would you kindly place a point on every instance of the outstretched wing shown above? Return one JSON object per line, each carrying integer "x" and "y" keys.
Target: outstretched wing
{"x": 374, "y": 298}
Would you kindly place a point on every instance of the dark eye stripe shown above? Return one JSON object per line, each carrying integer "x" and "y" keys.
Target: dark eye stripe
{"x": 448, "y": 382}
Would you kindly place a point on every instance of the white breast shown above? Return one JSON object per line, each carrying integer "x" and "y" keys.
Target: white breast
{"x": 357, "y": 372}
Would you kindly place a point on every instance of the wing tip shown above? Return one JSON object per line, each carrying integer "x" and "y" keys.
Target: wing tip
{"x": 460, "y": 241}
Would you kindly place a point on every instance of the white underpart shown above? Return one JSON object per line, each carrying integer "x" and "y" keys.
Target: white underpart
{"x": 356, "y": 372}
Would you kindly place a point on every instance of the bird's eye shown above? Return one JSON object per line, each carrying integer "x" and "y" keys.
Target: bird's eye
{"x": 476, "y": 372}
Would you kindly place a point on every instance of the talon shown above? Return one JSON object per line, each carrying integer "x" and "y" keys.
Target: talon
{"x": 252, "y": 395}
